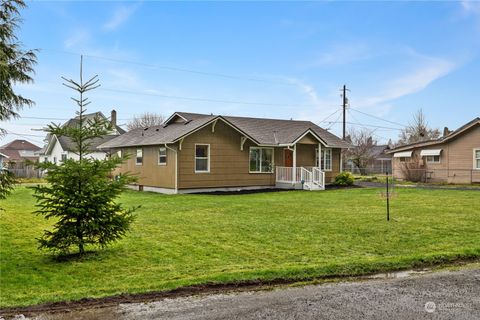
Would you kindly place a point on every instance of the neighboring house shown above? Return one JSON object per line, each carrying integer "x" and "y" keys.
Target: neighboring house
{"x": 380, "y": 161}
{"x": 60, "y": 148}
{"x": 453, "y": 158}
{"x": 19, "y": 153}
{"x": 198, "y": 152}
{"x": 3, "y": 159}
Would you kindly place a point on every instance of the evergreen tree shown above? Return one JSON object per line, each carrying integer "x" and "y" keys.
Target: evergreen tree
{"x": 80, "y": 194}
{"x": 16, "y": 66}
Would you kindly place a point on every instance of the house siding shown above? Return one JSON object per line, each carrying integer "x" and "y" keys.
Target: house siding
{"x": 456, "y": 159}
{"x": 229, "y": 166}
{"x": 150, "y": 173}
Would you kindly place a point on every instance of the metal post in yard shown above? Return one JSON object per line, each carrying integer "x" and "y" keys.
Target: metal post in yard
{"x": 388, "y": 201}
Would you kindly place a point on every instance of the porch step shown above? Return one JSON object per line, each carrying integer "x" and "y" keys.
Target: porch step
{"x": 311, "y": 186}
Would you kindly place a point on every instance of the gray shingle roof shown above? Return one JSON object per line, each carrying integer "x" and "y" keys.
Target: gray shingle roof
{"x": 68, "y": 145}
{"x": 440, "y": 140}
{"x": 261, "y": 131}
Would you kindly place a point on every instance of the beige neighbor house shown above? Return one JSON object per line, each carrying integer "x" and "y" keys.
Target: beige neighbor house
{"x": 198, "y": 152}
{"x": 453, "y": 158}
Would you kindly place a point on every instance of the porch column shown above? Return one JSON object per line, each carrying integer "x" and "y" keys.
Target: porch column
{"x": 320, "y": 156}
{"x": 294, "y": 167}
{"x": 341, "y": 160}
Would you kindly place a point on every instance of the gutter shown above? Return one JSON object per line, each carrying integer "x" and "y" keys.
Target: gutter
{"x": 176, "y": 165}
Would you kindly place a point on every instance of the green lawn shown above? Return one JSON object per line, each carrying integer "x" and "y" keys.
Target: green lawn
{"x": 190, "y": 239}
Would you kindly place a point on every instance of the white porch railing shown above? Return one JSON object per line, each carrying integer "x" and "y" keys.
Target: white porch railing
{"x": 313, "y": 179}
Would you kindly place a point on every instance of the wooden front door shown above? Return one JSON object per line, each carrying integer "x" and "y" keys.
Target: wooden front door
{"x": 288, "y": 158}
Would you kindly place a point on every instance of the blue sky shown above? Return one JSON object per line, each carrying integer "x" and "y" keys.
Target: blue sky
{"x": 267, "y": 59}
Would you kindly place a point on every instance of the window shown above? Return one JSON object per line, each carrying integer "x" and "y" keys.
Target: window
{"x": 162, "y": 156}
{"x": 403, "y": 159}
{"x": 45, "y": 159}
{"x": 64, "y": 157}
{"x": 55, "y": 160}
{"x": 202, "y": 158}
{"x": 139, "y": 157}
{"x": 476, "y": 160}
{"x": 432, "y": 159}
{"x": 326, "y": 156}
{"x": 119, "y": 153}
{"x": 261, "y": 160}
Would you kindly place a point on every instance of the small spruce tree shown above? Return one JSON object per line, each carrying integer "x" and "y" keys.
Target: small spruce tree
{"x": 80, "y": 194}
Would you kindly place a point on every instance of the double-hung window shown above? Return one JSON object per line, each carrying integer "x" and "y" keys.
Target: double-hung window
{"x": 326, "y": 159}
{"x": 202, "y": 158}
{"x": 432, "y": 159}
{"x": 476, "y": 159}
{"x": 162, "y": 156}
{"x": 64, "y": 157}
{"x": 261, "y": 160}
{"x": 139, "y": 157}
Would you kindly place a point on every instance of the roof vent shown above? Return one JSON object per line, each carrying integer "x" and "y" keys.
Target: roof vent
{"x": 145, "y": 129}
{"x": 157, "y": 129}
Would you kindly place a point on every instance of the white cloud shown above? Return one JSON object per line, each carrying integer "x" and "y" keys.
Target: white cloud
{"x": 342, "y": 54}
{"x": 119, "y": 17}
{"x": 471, "y": 7}
{"x": 77, "y": 38}
{"x": 429, "y": 69}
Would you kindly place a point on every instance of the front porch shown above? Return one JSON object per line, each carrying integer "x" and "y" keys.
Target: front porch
{"x": 303, "y": 178}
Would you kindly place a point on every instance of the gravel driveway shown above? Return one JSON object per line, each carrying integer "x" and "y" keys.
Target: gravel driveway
{"x": 440, "y": 295}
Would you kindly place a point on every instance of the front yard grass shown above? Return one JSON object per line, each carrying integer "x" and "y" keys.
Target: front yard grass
{"x": 183, "y": 240}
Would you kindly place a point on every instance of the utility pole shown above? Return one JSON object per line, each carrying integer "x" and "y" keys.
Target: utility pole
{"x": 345, "y": 102}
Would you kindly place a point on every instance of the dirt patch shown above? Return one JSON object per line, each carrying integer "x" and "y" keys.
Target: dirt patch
{"x": 206, "y": 289}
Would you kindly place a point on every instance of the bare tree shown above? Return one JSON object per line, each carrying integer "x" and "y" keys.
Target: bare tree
{"x": 362, "y": 152}
{"x": 148, "y": 119}
{"x": 417, "y": 131}
{"x": 413, "y": 170}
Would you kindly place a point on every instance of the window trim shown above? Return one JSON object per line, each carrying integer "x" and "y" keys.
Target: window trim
{"x": 433, "y": 162}
{"x": 162, "y": 156}
{"x": 136, "y": 157}
{"x": 195, "y": 158}
{"x": 475, "y": 159}
{"x": 324, "y": 160}
{"x": 273, "y": 160}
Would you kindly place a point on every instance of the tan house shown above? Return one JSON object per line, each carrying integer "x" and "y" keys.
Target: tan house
{"x": 198, "y": 152}
{"x": 453, "y": 158}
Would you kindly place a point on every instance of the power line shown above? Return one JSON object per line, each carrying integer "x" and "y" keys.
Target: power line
{"x": 177, "y": 69}
{"x": 368, "y": 125}
{"x": 329, "y": 116}
{"x": 378, "y": 118}
{"x": 201, "y": 99}
{"x": 205, "y": 99}
{"x": 333, "y": 122}
{"x": 26, "y": 136}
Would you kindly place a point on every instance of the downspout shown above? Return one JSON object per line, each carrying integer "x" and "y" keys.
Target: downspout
{"x": 176, "y": 166}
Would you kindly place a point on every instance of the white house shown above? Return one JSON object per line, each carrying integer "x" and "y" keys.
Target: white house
{"x": 60, "y": 148}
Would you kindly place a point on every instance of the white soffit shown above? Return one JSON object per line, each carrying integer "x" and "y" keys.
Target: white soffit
{"x": 430, "y": 152}
{"x": 402, "y": 154}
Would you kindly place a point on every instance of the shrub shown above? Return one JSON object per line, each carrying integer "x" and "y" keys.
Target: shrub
{"x": 344, "y": 179}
